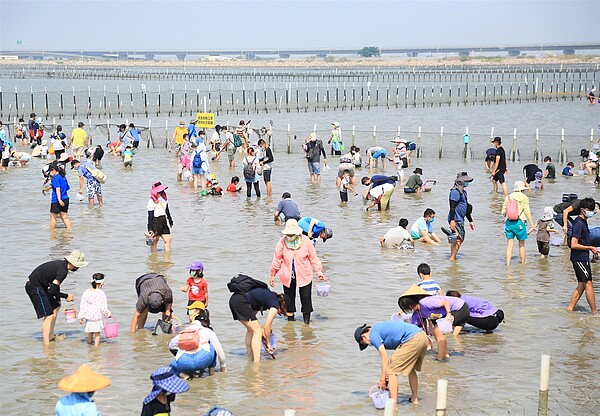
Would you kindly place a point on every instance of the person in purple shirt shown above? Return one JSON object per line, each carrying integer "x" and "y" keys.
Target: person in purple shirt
{"x": 482, "y": 314}
{"x": 427, "y": 307}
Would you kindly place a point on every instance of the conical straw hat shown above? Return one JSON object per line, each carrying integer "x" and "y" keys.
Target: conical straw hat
{"x": 84, "y": 380}
{"x": 415, "y": 290}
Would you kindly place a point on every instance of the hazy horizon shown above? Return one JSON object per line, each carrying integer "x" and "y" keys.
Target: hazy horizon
{"x": 272, "y": 25}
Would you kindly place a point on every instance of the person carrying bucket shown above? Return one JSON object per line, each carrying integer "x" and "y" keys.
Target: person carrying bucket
{"x": 93, "y": 308}
{"x": 410, "y": 346}
{"x": 43, "y": 288}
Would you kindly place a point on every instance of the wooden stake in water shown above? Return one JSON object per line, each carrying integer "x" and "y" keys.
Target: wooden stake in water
{"x": 289, "y": 137}
{"x": 440, "y": 153}
{"x": 353, "y": 135}
{"x": 544, "y": 382}
{"x": 514, "y": 152}
{"x": 442, "y": 391}
{"x": 591, "y": 140}
{"x": 374, "y": 135}
{"x": 419, "y": 150}
{"x": 537, "y": 155}
{"x": 562, "y": 154}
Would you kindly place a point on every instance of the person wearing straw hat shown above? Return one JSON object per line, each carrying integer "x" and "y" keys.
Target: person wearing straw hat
{"x": 426, "y": 307}
{"x": 517, "y": 227}
{"x": 410, "y": 346}
{"x": 82, "y": 385}
{"x": 43, "y": 288}
{"x": 295, "y": 259}
{"x": 166, "y": 385}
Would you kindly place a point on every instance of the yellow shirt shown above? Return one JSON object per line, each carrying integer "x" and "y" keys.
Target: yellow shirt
{"x": 179, "y": 132}
{"x": 523, "y": 202}
{"x": 79, "y": 135}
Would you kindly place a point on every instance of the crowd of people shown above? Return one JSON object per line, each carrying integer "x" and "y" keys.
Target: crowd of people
{"x": 196, "y": 348}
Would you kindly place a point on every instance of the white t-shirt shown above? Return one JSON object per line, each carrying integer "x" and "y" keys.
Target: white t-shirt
{"x": 396, "y": 236}
{"x": 380, "y": 190}
{"x": 159, "y": 208}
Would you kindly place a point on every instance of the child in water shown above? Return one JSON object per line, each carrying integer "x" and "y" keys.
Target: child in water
{"x": 196, "y": 286}
{"x": 94, "y": 309}
{"x": 233, "y": 186}
{"x": 345, "y": 184}
{"x": 127, "y": 156}
{"x": 545, "y": 226}
{"x": 568, "y": 170}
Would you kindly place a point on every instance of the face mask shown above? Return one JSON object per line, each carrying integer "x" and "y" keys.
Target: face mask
{"x": 589, "y": 214}
{"x": 429, "y": 221}
{"x": 466, "y": 185}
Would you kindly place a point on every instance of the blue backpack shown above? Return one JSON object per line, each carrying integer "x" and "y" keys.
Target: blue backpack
{"x": 197, "y": 162}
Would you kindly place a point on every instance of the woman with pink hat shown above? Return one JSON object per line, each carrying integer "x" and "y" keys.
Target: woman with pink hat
{"x": 159, "y": 217}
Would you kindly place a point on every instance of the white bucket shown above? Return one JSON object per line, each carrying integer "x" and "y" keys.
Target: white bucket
{"x": 379, "y": 397}
{"x": 556, "y": 241}
{"x": 444, "y": 325}
{"x": 323, "y": 289}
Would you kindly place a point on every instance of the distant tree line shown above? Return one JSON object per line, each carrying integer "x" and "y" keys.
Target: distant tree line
{"x": 369, "y": 52}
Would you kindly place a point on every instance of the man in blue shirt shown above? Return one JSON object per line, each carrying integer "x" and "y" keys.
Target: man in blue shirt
{"x": 410, "y": 345}
{"x": 580, "y": 255}
{"x": 315, "y": 228}
{"x": 135, "y": 134}
{"x": 458, "y": 211}
{"x": 287, "y": 209}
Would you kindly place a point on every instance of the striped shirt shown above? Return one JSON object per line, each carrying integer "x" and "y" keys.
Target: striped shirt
{"x": 430, "y": 286}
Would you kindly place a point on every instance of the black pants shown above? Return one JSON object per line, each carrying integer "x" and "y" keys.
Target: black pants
{"x": 344, "y": 196}
{"x": 256, "y": 189}
{"x": 305, "y": 297}
{"x": 489, "y": 323}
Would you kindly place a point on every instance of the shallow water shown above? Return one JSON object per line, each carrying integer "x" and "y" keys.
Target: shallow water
{"x": 319, "y": 370}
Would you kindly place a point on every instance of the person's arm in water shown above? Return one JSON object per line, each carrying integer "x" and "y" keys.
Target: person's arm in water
{"x": 382, "y": 242}
{"x": 271, "y": 314}
{"x": 81, "y": 180}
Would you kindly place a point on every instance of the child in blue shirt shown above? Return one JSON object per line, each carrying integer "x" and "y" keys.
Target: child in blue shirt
{"x": 567, "y": 171}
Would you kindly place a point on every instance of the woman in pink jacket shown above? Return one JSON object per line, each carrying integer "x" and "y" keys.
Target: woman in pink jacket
{"x": 295, "y": 259}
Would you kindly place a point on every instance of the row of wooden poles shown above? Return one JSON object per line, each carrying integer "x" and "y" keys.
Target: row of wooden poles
{"x": 291, "y": 99}
{"x": 385, "y": 75}
{"x": 441, "y": 407}
{"x": 514, "y": 154}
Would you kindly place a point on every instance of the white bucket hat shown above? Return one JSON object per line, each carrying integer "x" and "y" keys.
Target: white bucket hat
{"x": 77, "y": 259}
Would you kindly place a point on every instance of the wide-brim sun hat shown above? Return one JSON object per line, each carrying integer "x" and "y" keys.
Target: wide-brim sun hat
{"x": 335, "y": 124}
{"x": 158, "y": 187}
{"x": 548, "y": 213}
{"x": 291, "y": 228}
{"x": 44, "y": 142}
{"x": 519, "y": 186}
{"x": 196, "y": 305}
{"x": 182, "y": 123}
{"x": 218, "y": 411}
{"x": 77, "y": 259}
{"x": 464, "y": 177}
{"x": 418, "y": 171}
{"x": 84, "y": 380}
{"x": 415, "y": 290}
{"x": 196, "y": 266}
{"x": 396, "y": 140}
{"x": 165, "y": 379}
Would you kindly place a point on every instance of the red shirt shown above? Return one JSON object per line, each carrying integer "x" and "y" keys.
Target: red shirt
{"x": 231, "y": 187}
{"x": 197, "y": 290}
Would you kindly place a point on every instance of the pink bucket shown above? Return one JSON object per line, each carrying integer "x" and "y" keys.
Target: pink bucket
{"x": 71, "y": 314}
{"x": 111, "y": 330}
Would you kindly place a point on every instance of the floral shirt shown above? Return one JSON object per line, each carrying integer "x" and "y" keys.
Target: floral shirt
{"x": 93, "y": 306}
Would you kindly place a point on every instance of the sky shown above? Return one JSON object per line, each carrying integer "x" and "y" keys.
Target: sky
{"x": 292, "y": 24}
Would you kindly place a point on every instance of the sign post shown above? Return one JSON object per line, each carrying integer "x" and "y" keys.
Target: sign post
{"x": 205, "y": 120}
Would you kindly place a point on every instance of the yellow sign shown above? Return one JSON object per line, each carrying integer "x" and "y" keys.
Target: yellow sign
{"x": 205, "y": 120}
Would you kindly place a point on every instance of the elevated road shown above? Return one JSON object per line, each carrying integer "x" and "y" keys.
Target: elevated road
{"x": 511, "y": 50}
